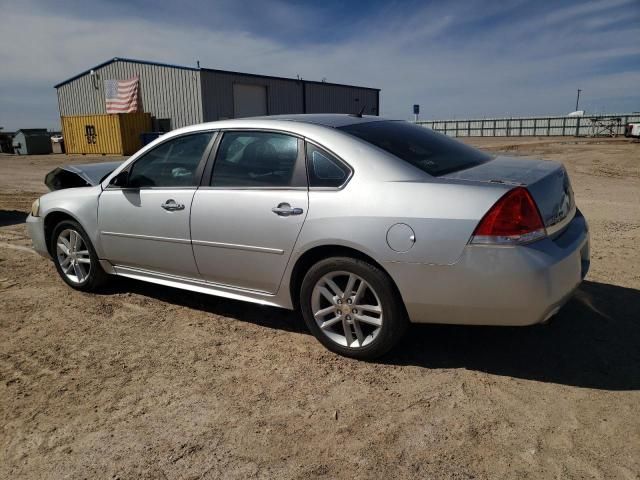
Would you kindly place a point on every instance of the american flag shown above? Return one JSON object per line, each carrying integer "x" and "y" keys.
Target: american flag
{"x": 121, "y": 95}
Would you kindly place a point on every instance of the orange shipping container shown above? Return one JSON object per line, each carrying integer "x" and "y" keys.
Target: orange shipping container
{"x": 117, "y": 133}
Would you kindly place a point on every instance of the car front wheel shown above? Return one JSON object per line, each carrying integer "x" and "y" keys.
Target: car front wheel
{"x": 75, "y": 258}
{"x": 352, "y": 307}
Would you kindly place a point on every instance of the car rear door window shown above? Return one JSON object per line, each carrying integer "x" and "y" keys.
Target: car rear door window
{"x": 257, "y": 159}
{"x": 174, "y": 163}
{"x": 324, "y": 169}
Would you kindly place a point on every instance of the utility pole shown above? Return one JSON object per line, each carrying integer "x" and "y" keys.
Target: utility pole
{"x": 578, "y": 99}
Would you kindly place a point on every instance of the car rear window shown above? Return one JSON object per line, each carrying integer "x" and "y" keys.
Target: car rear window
{"x": 431, "y": 152}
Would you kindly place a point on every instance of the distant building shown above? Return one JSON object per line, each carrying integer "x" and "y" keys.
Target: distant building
{"x": 177, "y": 96}
{"x": 32, "y": 141}
{"x": 6, "y": 141}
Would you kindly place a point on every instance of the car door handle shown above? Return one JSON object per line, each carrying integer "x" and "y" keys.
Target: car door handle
{"x": 285, "y": 210}
{"x": 171, "y": 205}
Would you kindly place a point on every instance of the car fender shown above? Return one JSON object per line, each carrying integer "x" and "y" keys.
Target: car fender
{"x": 81, "y": 204}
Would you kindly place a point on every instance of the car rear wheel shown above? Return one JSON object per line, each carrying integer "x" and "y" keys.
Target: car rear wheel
{"x": 75, "y": 258}
{"x": 352, "y": 307}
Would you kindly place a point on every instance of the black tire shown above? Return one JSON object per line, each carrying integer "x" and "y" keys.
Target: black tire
{"x": 96, "y": 276}
{"x": 395, "y": 320}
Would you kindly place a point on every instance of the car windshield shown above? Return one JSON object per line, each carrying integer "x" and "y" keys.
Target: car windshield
{"x": 431, "y": 152}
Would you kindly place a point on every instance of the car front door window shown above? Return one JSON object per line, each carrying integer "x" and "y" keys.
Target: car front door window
{"x": 172, "y": 164}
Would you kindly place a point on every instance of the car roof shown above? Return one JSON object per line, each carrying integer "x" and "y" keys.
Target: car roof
{"x": 301, "y": 124}
{"x": 334, "y": 120}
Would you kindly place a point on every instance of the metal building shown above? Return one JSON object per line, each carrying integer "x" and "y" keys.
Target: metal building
{"x": 32, "y": 141}
{"x": 177, "y": 96}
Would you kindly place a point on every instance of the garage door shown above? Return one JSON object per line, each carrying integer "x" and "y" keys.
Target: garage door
{"x": 249, "y": 100}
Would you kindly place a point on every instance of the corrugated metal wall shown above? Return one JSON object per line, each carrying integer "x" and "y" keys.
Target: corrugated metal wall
{"x": 106, "y": 139}
{"x": 132, "y": 125}
{"x": 283, "y": 96}
{"x": 165, "y": 92}
{"x": 188, "y": 96}
{"x": 110, "y": 134}
{"x": 329, "y": 98}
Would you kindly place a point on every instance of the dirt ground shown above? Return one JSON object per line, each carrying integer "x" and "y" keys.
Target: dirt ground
{"x": 149, "y": 382}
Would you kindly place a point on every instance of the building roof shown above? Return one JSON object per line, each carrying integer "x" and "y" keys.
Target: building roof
{"x": 32, "y": 131}
{"x": 158, "y": 64}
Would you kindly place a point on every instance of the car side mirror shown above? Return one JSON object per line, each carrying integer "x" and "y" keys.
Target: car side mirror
{"x": 120, "y": 180}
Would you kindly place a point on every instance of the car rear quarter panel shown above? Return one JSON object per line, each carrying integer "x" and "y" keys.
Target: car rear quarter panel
{"x": 442, "y": 215}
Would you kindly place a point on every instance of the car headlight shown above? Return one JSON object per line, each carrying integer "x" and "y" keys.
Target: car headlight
{"x": 35, "y": 208}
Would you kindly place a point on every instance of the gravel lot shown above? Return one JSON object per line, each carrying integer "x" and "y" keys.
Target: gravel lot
{"x": 149, "y": 382}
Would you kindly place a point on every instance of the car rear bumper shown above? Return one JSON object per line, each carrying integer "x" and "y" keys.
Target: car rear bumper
{"x": 35, "y": 226}
{"x": 492, "y": 285}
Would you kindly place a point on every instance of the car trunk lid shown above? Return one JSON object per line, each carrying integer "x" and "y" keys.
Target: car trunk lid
{"x": 547, "y": 181}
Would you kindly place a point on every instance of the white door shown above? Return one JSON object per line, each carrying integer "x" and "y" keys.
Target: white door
{"x": 145, "y": 223}
{"x": 244, "y": 226}
{"x": 249, "y": 100}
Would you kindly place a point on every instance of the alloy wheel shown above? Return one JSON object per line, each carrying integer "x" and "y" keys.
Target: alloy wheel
{"x": 73, "y": 255}
{"x": 347, "y": 309}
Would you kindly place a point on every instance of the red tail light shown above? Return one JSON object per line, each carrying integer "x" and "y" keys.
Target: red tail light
{"x": 514, "y": 219}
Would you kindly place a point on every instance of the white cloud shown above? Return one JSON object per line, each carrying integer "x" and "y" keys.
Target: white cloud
{"x": 425, "y": 57}
{"x": 569, "y": 13}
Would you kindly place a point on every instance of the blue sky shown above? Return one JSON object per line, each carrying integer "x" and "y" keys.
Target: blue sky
{"x": 457, "y": 59}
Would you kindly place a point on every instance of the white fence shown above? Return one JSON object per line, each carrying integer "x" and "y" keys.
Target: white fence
{"x": 597, "y": 125}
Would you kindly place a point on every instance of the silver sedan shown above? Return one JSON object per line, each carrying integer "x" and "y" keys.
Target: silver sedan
{"x": 364, "y": 224}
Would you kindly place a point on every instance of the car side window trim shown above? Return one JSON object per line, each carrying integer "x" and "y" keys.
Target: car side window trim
{"x": 337, "y": 157}
{"x": 207, "y": 171}
{"x": 299, "y": 171}
{"x": 199, "y": 170}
